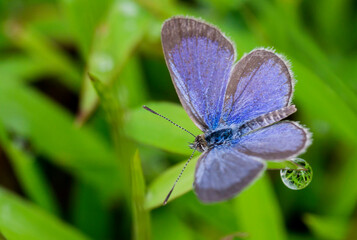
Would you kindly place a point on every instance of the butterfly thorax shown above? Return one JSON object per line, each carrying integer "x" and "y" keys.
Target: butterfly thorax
{"x": 219, "y": 137}
{"x": 209, "y": 140}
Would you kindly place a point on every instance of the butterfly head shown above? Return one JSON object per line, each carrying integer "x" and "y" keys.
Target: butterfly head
{"x": 200, "y": 143}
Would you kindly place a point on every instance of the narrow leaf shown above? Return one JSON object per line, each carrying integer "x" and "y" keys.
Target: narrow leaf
{"x": 20, "y": 220}
{"x": 141, "y": 217}
{"x": 145, "y": 127}
{"x": 114, "y": 43}
{"x": 257, "y": 206}
{"x": 29, "y": 174}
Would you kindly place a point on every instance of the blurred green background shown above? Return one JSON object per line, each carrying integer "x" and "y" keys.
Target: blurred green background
{"x": 84, "y": 162}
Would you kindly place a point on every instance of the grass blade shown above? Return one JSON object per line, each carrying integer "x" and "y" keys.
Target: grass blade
{"x": 257, "y": 206}
{"x": 29, "y": 174}
{"x": 20, "y": 220}
{"x": 141, "y": 217}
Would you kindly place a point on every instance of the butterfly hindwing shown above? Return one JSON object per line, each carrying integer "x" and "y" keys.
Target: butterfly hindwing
{"x": 200, "y": 60}
{"x": 260, "y": 83}
{"x": 222, "y": 172}
{"x": 279, "y": 141}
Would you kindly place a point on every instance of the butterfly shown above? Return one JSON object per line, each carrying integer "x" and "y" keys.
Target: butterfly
{"x": 237, "y": 105}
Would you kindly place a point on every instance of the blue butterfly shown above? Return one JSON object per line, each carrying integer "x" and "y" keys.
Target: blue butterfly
{"x": 237, "y": 105}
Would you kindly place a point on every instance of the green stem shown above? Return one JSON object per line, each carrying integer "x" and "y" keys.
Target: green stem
{"x": 129, "y": 166}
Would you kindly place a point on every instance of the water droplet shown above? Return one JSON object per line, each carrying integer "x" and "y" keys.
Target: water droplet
{"x": 297, "y": 179}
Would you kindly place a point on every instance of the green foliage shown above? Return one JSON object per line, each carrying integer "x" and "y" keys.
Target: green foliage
{"x": 22, "y": 220}
{"x": 84, "y": 156}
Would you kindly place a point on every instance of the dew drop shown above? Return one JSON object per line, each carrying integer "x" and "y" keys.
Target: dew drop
{"x": 297, "y": 179}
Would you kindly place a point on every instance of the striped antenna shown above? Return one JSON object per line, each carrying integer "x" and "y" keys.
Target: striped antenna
{"x": 152, "y": 111}
{"x": 183, "y": 169}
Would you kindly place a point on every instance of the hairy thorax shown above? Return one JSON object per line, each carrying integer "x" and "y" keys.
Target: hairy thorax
{"x": 215, "y": 138}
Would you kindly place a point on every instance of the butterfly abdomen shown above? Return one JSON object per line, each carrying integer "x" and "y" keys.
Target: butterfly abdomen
{"x": 266, "y": 119}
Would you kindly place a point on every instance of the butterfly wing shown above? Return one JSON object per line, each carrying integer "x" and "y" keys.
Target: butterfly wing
{"x": 225, "y": 170}
{"x": 200, "y": 60}
{"x": 260, "y": 83}
{"x": 279, "y": 141}
{"x": 222, "y": 172}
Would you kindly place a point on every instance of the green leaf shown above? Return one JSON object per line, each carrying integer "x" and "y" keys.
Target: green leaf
{"x": 167, "y": 224}
{"x": 161, "y": 186}
{"x": 20, "y": 220}
{"x": 43, "y": 51}
{"x": 29, "y": 174}
{"x": 327, "y": 227}
{"x": 52, "y": 133}
{"x": 145, "y": 127}
{"x": 113, "y": 45}
{"x": 2, "y": 237}
{"x": 21, "y": 68}
{"x": 141, "y": 217}
{"x": 114, "y": 115}
{"x": 131, "y": 89}
{"x": 86, "y": 206}
{"x": 322, "y": 102}
{"x": 343, "y": 197}
{"x": 83, "y": 17}
{"x": 257, "y": 206}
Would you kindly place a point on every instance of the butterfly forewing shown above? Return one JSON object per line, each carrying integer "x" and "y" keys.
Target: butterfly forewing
{"x": 200, "y": 60}
{"x": 260, "y": 83}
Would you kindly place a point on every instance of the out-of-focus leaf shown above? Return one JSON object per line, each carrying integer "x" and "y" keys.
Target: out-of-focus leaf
{"x": 131, "y": 89}
{"x": 114, "y": 43}
{"x": 328, "y": 228}
{"x": 343, "y": 196}
{"x": 165, "y": 223}
{"x": 83, "y": 17}
{"x": 333, "y": 23}
{"x": 45, "y": 52}
{"x": 29, "y": 174}
{"x": 114, "y": 114}
{"x": 20, "y": 220}
{"x": 322, "y": 102}
{"x": 163, "y": 8}
{"x": 86, "y": 206}
{"x": 141, "y": 217}
{"x": 21, "y": 68}
{"x": 223, "y": 6}
{"x": 257, "y": 206}
{"x": 145, "y": 127}
{"x": 2, "y": 237}
{"x": 53, "y": 134}
{"x": 49, "y": 21}
{"x": 218, "y": 215}
{"x": 162, "y": 185}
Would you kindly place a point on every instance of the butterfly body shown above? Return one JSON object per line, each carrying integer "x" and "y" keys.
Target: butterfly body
{"x": 237, "y": 105}
{"x": 226, "y": 135}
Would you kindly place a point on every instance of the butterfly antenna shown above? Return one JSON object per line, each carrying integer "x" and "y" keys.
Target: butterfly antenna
{"x": 183, "y": 169}
{"x": 150, "y": 110}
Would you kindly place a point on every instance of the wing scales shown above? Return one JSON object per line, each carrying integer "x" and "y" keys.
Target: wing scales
{"x": 200, "y": 60}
